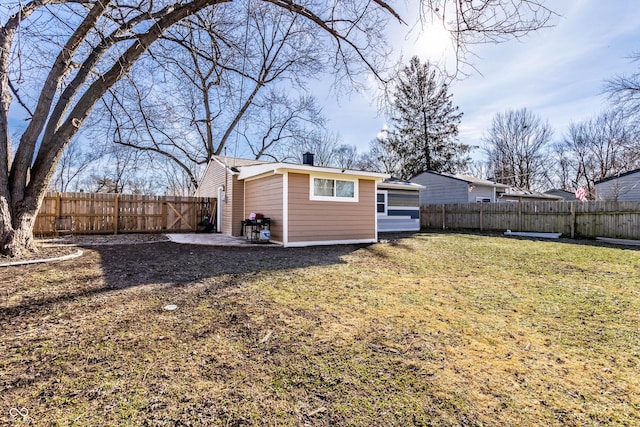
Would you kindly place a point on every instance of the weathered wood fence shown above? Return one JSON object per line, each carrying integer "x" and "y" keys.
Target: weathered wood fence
{"x": 91, "y": 213}
{"x": 573, "y": 219}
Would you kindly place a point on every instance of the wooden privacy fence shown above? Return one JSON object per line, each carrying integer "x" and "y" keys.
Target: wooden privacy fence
{"x": 619, "y": 220}
{"x": 93, "y": 213}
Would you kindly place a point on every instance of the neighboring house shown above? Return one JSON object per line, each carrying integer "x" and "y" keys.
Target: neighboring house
{"x": 398, "y": 205}
{"x": 306, "y": 204}
{"x": 447, "y": 188}
{"x": 566, "y": 196}
{"x": 622, "y": 188}
{"x": 513, "y": 194}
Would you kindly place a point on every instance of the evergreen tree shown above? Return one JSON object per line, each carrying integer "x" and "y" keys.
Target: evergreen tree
{"x": 425, "y": 123}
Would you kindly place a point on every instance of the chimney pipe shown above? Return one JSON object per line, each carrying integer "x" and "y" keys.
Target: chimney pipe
{"x": 307, "y": 159}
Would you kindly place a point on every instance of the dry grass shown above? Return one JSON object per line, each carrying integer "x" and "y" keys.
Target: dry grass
{"x": 429, "y": 330}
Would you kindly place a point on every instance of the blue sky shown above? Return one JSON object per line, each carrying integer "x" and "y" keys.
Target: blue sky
{"x": 558, "y": 73}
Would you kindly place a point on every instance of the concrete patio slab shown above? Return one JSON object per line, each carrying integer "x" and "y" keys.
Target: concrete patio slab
{"x": 213, "y": 239}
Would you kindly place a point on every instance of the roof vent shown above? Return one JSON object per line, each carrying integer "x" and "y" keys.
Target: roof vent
{"x": 307, "y": 159}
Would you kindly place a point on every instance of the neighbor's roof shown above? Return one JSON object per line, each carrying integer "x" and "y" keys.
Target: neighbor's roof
{"x": 618, "y": 176}
{"x": 468, "y": 179}
{"x": 251, "y": 168}
{"x": 522, "y": 193}
{"x": 479, "y": 181}
{"x": 399, "y": 184}
{"x": 566, "y": 195}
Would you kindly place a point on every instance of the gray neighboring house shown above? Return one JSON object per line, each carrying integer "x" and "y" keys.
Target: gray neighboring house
{"x": 398, "y": 205}
{"x": 621, "y": 188}
{"x": 447, "y": 188}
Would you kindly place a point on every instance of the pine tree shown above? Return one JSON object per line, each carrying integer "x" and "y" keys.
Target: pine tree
{"x": 425, "y": 122}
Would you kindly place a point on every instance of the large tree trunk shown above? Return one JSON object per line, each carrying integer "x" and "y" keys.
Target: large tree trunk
{"x": 16, "y": 233}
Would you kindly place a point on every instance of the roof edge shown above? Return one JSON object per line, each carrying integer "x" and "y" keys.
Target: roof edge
{"x": 617, "y": 176}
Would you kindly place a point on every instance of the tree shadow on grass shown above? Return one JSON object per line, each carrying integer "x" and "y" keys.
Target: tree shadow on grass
{"x": 167, "y": 263}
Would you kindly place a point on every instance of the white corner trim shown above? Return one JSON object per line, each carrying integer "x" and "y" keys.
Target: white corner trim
{"x": 285, "y": 209}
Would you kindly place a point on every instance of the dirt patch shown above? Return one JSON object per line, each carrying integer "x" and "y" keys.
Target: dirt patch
{"x": 54, "y": 248}
{"x": 104, "y": 239}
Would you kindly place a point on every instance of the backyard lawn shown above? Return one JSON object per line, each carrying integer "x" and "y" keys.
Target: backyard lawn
{"x": 433, "y": 329}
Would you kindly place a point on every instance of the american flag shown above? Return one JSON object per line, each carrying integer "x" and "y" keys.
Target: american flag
{"x": 581, "y": 194}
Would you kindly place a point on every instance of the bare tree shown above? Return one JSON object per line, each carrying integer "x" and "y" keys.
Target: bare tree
{"x": 479, "y": 169}
{"x": 322, "y": 144}
{"x": 345, "y": 156}
{"x": 74, "y": 163}
{"x": 563, "y": 176}
{"x": 598, "y": 148}
{"x": 494, "y": 21}
{"x": 59, "y": 58}
{"x": 214, "y": 81}
{"x": 516, "y": 149}
{"x": 381, "y": 156}
{"x": 121, "y": 170}
{"x": 624, "y": 90}
{"x": 175, "y": 182}
{"x": 277, "y": 121}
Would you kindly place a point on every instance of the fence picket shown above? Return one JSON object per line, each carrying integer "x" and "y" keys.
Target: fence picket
{"x": 619, "y": 220}
{"x": 94, "y": 213}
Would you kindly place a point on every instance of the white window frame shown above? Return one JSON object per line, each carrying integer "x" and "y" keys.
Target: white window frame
{"x": 386, "y": 202}
{"x": 483, "y": 199}
{"x": 333, "y": 198}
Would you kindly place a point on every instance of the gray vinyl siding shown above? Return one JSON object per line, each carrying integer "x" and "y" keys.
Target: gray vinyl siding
{"x": 623, "y": 189}
{"x": 214, "y": 178}
{"x": 441, "y": 189}
{"x": 481, "y": 191}
{"x": 217, "y": 176}
{"x": 403, "y": 210}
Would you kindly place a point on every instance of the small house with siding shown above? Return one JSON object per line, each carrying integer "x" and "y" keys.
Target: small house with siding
{"x": 306, "y": 204}
{"x": 398, "y": 205}
{"x": 448, "y": 188}
{"x": 621, "y": 188}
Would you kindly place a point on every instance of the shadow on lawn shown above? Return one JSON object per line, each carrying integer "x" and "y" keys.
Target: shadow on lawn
{"x": 125, "y": 266}
{"x": 165, "y": 263}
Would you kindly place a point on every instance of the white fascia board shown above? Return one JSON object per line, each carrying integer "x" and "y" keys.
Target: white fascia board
{"x": 402, "y": 186}
{"x": 223, "y": 164}
{"x": 254, "y": 170}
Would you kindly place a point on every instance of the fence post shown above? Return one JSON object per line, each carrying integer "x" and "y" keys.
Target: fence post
{"x": 58, "y": 204}
{"x": 573, "y": 220}
{"x": 116, "y": 214}
{"x": 481, "y": 209}
{"x": 520, "y": 215}
{"x": 444, "y": 225}
{"x": 164, "y": 213}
